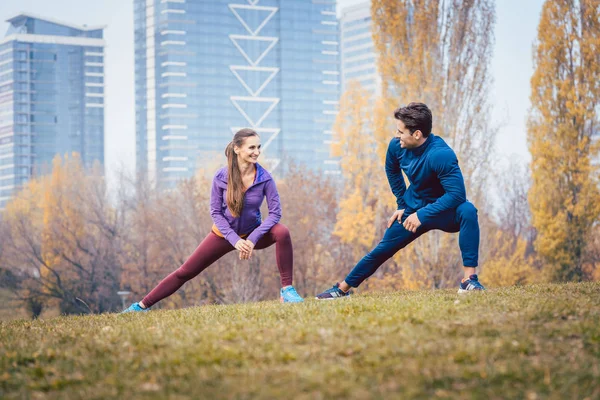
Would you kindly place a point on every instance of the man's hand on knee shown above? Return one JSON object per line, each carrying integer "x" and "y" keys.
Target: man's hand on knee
{"x": 412, "y": 223}
{"x": 397, "y": 216}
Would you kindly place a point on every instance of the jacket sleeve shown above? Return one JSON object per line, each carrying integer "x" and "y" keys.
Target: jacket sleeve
{"x": 216, "y": 200}
{"x": 274, "y": 217}
{"x": 445, "y": 165}
{"x": 394, "y": 175}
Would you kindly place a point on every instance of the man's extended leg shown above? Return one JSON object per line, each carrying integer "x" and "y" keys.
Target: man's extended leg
{"x": 395, "y": 238}
{"x": 463, "y": 220}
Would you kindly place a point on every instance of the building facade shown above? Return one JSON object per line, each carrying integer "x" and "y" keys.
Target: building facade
{"x": 51, "y": 97}
{"x": 206, "y": 68}
{"x": 359, "y": 61}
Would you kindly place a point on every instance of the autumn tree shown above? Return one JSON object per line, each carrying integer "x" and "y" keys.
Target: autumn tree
{"x": 591, "y": 267}
{"x": 361, "y": 150}
{"x": 63, "y": 240}
{"x": 438, "y": 52}
{"x": 507, "y": 255}
{"x": 564, "y": 198}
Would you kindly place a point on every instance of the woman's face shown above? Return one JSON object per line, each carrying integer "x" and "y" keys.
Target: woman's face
{"x": 249, "y": 151}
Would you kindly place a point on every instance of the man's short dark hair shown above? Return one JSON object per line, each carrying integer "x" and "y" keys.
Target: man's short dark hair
{"x": 416, "y": 116}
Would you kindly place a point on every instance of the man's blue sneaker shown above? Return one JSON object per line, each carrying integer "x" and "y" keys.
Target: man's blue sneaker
{"x": 135, "y": 307}
{"x": 470, "y": 284}
{"x": 289, "y": 295}
{"x": 333, "y": 293}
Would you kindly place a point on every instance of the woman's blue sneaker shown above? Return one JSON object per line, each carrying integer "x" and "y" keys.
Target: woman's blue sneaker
{"x": 333, "y": 293}
{"x": 289, "y": 295}
{"x": 470, "y": 284}
{"x": 135, "y": 307}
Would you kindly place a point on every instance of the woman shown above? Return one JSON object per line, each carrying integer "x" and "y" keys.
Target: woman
{"x": 237, "y": 193}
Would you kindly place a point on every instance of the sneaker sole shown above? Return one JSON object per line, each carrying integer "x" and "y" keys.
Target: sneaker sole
{"x": 333, "y": 298}
{"x": 281, "y": 300}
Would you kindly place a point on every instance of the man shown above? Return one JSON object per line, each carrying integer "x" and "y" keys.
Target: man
{"x": 435, "y": 199}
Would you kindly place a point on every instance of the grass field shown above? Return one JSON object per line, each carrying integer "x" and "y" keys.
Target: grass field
{"x": 516, "y": 343}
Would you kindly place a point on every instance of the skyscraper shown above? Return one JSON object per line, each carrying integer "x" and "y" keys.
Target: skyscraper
{"x": 206, "y": 68}
{"x": 358, "y": 52}
{"x": 51, "y": 97}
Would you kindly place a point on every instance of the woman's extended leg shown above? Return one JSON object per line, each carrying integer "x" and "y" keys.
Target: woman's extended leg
{"x": 210, "y": 250}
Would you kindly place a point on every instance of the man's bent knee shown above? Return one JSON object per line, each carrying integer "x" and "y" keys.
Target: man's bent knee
{"x": 467, "y": 211}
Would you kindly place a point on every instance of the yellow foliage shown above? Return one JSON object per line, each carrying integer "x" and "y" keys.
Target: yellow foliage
{"x": 361, "y": 139}
{"x": 564, "y": 198}
{"x": 62, "y": 212}
{"x": 62, "y": 237}
{"x": 355, "y": 222}
{"x": 414, "y": 279}
{"x": 409, "y": 60}
{"x": 509, "y": 264}
{"x": 438, "y": 52}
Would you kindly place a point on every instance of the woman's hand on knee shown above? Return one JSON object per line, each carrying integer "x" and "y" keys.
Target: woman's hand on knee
{"x": 243, "y": 248}
{"x": 251, "y": 246}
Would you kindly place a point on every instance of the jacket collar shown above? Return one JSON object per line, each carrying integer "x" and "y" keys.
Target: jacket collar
{"x": 421, "y": 149}
{"x": 262, "y": 175}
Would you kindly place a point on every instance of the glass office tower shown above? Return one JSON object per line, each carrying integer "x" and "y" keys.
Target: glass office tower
{"x": 359, "y": 61}
{"x": 206, "y": 68}
{"x": 51, "y": 97}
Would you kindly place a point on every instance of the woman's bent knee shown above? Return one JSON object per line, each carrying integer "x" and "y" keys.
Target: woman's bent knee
{"x": 280, "y": 231}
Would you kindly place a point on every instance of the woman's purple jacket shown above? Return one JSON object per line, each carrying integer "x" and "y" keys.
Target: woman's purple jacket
{"x": 249, "y": 222}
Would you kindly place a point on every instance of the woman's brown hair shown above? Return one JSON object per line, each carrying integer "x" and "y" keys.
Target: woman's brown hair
{"x": 235, "y": 186}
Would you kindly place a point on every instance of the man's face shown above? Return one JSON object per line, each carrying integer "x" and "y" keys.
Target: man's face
{"x": 407, "y": 140}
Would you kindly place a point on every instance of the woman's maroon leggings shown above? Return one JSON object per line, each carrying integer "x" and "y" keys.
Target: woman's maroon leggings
{"x": 214, "y": 247}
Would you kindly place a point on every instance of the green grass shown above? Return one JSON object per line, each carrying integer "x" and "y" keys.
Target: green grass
{"x": 523, "y": 342}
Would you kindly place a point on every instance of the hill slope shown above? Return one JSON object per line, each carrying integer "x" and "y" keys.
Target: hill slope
{"x": 524, "y": 342}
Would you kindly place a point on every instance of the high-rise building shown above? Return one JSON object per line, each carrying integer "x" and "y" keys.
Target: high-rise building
{"x": 358, "y": 52}
{"x": 206, "y": 68}
{"x": 51, "y": 97}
